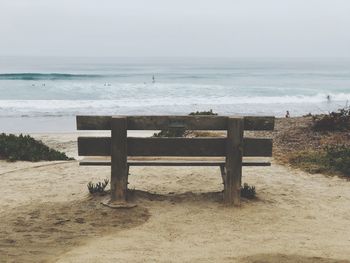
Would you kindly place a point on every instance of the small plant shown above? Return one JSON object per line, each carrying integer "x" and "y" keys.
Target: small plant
{"x": 308, "y": 115}
{"x": 26, "y": 148}
{"x": 210, "y": 112}
{"x": 98, "y": 187}
{"x": 248, "y": 191}
{"x": 333, "y": 121}
{"x": 181, "y": 132}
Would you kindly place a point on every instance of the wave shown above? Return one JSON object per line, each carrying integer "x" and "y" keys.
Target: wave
{"x": 163, "y": 100}
{"x": 169, "y": 105}
{"x": 46, "y": 76}
{"x": 69, "y": 76}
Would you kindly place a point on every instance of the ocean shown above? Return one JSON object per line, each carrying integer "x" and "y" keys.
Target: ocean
{"x": 44, "y": 94}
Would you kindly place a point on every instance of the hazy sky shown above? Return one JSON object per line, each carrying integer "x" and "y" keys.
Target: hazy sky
{"x": 210, "y": 28}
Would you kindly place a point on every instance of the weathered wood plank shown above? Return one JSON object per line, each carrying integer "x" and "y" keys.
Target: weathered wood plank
{"x": 186, "y": 122}
{"x": 94, "y": 146}
{"x": 119, "y": 170}
{"x": 93, "y": 122}
{"x": 234, "y": 152}
{"x": 169, "y": 163}
{"x": 175, "y": 147}
{"x": 257, "y": 147}
{"x": 164, "y": 122}
{"x": 100, "y": 146}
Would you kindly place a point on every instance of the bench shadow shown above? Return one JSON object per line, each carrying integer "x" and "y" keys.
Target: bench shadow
{"x": 211, "y": 197}
{"x": 42, "y": 231}
{"x": 136, "y": 195}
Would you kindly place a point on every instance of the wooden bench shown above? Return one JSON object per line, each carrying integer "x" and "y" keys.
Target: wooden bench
{"x": 119, "y": 147}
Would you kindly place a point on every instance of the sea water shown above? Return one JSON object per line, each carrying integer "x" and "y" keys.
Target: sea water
{"x": 46, "y": 93}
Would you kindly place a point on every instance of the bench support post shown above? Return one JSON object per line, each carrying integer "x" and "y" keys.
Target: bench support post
{"x": 119, "y": 175}
{"x": 233, "y": 178}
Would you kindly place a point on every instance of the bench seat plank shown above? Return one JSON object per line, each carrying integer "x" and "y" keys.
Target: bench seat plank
{"x": 169, "y": 163}
{"x": 101, "y": 146}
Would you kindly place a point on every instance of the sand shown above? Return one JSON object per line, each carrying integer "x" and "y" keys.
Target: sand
{"x": 47, "y": 215}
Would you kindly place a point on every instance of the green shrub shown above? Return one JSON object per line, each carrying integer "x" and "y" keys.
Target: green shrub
{"x": 331, "y": 159}
{"x": 181, "y": 132}
{"x": 334, "y": 121}
{"x": 248, "y": 191}
{"x": 98, "y": 187}
{"x": 210, "y": 112}
{"x": 26, "y": 148}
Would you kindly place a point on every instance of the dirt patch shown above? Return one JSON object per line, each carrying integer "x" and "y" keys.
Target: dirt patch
{"x": 42, "y": 232}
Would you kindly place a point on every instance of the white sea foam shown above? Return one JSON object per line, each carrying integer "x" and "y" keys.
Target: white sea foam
{"x": 226, "y": 105}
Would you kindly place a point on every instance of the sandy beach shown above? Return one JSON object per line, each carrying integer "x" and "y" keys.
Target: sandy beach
{"x": 47, "y": 215}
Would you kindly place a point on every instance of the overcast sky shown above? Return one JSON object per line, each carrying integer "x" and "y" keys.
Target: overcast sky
{"x": 206, "y": 28}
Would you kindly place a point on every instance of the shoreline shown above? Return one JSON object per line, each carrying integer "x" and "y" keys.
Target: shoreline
{"x": 67, "y": 124}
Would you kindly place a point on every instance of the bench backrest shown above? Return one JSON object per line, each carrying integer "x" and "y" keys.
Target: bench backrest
{"x": 102, "y": 146}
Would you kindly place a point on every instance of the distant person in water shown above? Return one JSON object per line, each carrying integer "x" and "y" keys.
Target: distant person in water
{"x": 287, "y": 114}
{"x": 329, "y": 98}
{"x": 153, "y": 79}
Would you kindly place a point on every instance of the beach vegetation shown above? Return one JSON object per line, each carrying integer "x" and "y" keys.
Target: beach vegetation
{"x": 333, "y": 121}
{"x": 210, "y": 112}
{"x": 248, "y": 191}
{"x": 97, "y": 188}
{"x": 26, "y": 148}
{"x": 333, "y": 159}
{"x": 206, "y": 134}
{"x": 181, "y": 132}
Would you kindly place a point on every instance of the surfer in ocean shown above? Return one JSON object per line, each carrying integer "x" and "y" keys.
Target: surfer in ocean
{"x": 153, "y": 79}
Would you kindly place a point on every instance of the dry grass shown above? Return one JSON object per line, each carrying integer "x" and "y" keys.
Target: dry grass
{"x": 296, "y": 143}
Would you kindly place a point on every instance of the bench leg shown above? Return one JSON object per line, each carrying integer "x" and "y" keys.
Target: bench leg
{"x": 119, "y": 165}
{"x": 232, "y": 187}
{"x": 127, "y": 172}
{"x": 119, "y": 169}
{"x": 223, "y": 174}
